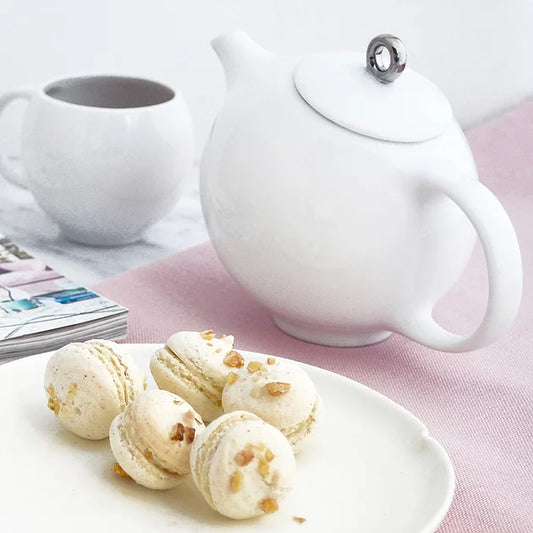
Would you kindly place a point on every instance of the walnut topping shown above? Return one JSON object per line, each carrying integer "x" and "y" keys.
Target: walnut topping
{"x": 176, "y": 402}
{"x": 145, "y": 385}
{"x": 210, "y": 344}
{"x": 255, "y": 366}
{"x": 269, "y": 505}
{"x": 231, "y": 378}
{"x": 53, "y": 403}
{"x": 298, "y": 519}
{"x": 189, "y": 434}
{"x": 119, "y": 471}
{"x": 276, "y": 388}
{"x": 234, "y": 359}
{"x": 177, "y": 432}
{"x": 271, "y": 361}
{"x": 245, "y": 457}
{"x": 264, "y": 468}
{"x": 208, "y": 335}
{"x": 269, "y": 456}
{"x": 236, "y": 482}
{"x": 73, "y": 389}
{"x": 181, "y": 432}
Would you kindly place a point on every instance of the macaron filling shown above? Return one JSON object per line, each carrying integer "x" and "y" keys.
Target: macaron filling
{"x": 191, "y": 376}
{"x": 138, "y": 462}
{"x": 299, "y": 432}
{"x": 117, "y": 369}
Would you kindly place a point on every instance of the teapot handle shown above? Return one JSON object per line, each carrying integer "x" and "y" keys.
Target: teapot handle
{"x": 504, "y": 266}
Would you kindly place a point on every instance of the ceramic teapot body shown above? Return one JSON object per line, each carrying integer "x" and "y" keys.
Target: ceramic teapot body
{"x": 345, "y": 238}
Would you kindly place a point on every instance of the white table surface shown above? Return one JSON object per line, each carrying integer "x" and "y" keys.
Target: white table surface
{"x": 24, "y": 222}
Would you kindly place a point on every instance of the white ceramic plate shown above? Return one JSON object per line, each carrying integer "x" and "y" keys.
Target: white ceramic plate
{"x": 373, "y": 468}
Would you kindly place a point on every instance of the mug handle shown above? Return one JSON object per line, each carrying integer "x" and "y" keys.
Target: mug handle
{"x": 10, "y": 172}
{"x": 504, "y": 266}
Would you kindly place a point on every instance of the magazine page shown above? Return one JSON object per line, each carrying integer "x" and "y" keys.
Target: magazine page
{"x": 34, "y": 298}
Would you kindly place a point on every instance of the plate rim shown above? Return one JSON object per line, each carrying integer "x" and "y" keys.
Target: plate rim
{"x": 424, "y": 434}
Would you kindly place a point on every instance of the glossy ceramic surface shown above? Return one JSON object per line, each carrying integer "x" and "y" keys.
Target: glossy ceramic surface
{"x": 346, "y": 238}
{"x": 104, "y": 160}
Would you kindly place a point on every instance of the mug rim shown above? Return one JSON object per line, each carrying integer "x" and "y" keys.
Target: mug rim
{"x": 47, "y": 85}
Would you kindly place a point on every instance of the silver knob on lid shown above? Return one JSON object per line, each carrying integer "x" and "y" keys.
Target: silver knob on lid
{"x": 386, "y": 69}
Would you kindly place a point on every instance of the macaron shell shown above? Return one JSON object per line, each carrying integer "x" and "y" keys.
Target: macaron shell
{"x": 256, "y": 487}
{"x": 206, "y": 444}
{"x": 214, "y": 463}
{"x": 286, "y": 410}
{"x": 89, "y": 383}
{"x": 153, "y": 419}
{"x": 136, "y": 464}
{"x": 172, "y": 375}
{"x": 81, "y": 392}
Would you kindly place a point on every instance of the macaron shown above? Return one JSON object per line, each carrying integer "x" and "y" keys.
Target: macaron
{"x": 151, "y": 440}
{"x": 194, "y": 366}
{"x": 242, "y": 466}
{"x": 279, "y": 392}
{"x": 89, "y": 383}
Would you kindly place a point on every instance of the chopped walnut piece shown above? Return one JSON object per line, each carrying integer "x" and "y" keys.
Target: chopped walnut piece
{"x": 176, "y": 402}
{"x": 53, "y": 405}
{"x": 298, "y": 519}
{"x": 231, "y": 378}
{"x": 245, "y": 457}
{"x": 189, "y": 434}
{"x": 269, "y": 505}
{"x": 234, "y": 359}
{"x": 236, "y": 482}
{"x": 145, "y": 385}
{"x": 264, "y": 468}
{"x": 177, "y": 432}
{"x": 269, "y": 456}
{"x": 276, "y": 388}
{"x": 255, "y": 366}
{"x": 208, "y": 335}
{"x": 271, "y": 361}
{"x": 72, "y": 390}
{"x": 119, "y": 471}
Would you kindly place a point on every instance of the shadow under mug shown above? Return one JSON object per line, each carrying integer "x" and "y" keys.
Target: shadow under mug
{"x": 103, "y": 155}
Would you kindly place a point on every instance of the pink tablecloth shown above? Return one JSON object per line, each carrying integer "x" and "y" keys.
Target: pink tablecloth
{"x": 479, "y": 405}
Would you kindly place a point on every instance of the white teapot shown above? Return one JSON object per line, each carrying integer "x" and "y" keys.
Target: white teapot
{"x": 340, "y": 192}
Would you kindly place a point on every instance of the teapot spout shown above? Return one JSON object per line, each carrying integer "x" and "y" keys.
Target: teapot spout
{"x": 240, "y": 56}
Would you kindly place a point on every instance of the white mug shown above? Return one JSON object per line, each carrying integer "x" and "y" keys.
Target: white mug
{"x": 103, "y": 155}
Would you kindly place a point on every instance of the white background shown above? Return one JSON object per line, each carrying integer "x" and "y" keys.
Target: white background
{"x": 478, "y": 51}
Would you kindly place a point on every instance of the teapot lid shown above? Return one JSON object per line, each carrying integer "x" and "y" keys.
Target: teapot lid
{"x": 384, "y": 101}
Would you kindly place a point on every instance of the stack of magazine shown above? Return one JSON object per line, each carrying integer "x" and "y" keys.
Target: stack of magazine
{"x": 41, "y": 310}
